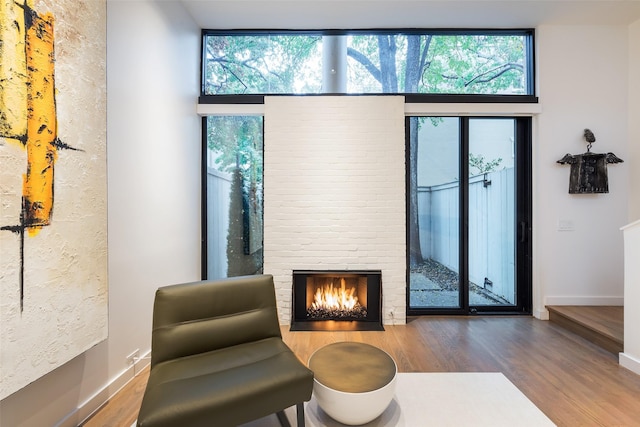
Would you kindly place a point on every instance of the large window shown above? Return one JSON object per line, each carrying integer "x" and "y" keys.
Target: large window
{"x": 469, "y": 189}
{"x": 368, "y": 62}
{"x": 233, "y": 207}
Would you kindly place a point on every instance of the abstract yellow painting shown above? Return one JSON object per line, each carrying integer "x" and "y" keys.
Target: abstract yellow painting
{"x": 53, "y": 285}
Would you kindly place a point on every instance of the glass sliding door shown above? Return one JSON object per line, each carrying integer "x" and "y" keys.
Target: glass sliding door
{"x": 491, "y": 217}
{"x": 468, "y": 238}
{"x": 435, "y": 234}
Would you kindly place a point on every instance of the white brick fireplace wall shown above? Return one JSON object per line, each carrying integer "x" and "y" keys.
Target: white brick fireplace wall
{"x": 334, "y": 177}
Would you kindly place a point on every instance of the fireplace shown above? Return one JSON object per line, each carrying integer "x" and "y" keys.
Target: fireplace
{"x": 337, "y": 300}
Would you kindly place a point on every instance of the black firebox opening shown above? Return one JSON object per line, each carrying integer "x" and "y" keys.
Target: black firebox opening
{"x": 337, "y": 300}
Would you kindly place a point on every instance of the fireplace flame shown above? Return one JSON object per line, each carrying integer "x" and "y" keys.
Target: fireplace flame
{"x": 332, "y": 298}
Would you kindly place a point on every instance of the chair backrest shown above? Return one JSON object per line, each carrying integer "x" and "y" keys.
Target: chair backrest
{"x": 198, "y": 317}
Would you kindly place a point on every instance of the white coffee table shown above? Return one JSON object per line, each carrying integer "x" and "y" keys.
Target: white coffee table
{"x": 353, "y": 382}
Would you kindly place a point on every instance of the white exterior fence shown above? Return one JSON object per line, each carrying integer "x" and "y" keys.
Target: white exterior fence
{"x": 218, "y": 199}
{"x": 491, "y": 229}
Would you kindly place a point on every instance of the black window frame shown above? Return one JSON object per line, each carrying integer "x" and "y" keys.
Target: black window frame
{"x": 529, "y": 98}
{"x": 523, "y": 222}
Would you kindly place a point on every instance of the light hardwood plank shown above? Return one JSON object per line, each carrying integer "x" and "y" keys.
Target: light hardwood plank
{"x": 122, "y": 410}
{"x": 606, "y": 320}
{"x": 573, "y": 381}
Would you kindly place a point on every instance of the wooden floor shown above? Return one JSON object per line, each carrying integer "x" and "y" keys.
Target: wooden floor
{"x": 573, "y": 381}
{"x": 602, "y": 325}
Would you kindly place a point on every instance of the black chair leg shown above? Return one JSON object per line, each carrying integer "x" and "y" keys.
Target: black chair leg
{"x": 300, "y": 411}
{"x": 284, "y": 422}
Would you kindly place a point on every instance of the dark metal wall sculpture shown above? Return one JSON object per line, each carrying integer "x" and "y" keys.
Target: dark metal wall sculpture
{"x": 589, "y": 170}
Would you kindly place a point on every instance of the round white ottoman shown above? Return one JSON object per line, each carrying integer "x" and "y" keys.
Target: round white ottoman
{"x": 353, "y": 382}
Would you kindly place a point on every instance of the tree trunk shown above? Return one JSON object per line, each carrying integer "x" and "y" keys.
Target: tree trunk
{"x": 416, "y": 60}
{"x": 387, "y": 51}
{"x": 412, "y": 77}
{"x": 415, "y": 253}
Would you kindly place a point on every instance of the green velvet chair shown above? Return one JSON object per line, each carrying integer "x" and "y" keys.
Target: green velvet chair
{"x": 218, "y": 359}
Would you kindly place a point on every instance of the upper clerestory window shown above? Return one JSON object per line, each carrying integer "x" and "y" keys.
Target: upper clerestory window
{"x": 490, "y": 62}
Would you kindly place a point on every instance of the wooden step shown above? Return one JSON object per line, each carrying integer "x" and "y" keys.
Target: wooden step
{"x": 602, "y": 325}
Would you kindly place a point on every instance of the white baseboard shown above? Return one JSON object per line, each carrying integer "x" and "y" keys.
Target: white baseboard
{"x": 612, "y": 300}
{"x": 541, "y": 314}
{"x": 94, "y": 403}
{"x": 629, "y": 362}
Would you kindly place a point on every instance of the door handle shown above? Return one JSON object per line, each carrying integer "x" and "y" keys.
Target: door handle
{"x": 523, "y": 232}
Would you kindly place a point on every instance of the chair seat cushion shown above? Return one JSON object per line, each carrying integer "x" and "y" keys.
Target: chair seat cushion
{"x": 225, "y": 387}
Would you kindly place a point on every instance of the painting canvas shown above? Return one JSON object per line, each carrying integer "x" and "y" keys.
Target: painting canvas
{"x": 53, "y": 189}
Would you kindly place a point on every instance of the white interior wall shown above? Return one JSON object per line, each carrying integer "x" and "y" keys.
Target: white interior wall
{"x": 153, "y": 150}
{"x": 152, "y": 234}
{"x": 630, "y": 358}
{"x": 582, "y": 74}
{"x": 154, "y": 161}
{"x": 634, "y": 123}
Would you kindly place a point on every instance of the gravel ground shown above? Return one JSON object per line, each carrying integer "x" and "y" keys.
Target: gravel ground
{"x": 435, "y": 285}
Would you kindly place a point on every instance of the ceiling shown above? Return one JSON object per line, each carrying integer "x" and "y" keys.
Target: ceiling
{"x": 354, "y": 14}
